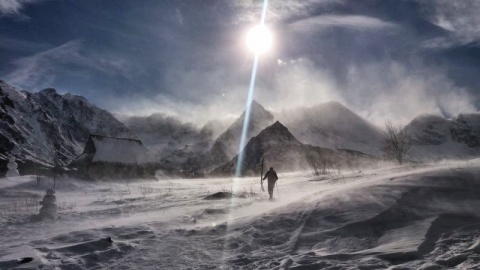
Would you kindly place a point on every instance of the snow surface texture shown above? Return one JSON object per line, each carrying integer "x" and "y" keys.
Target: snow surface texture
{"x": 422, "y": 217}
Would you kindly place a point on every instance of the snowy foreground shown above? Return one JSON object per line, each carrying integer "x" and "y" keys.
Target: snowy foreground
{"x": 423, "y": 217}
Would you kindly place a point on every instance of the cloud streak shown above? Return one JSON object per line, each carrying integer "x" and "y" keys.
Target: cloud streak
{"x": 249, "y": 10}
{"x": 42, "y": 69}
{"x": 318, "y": 23}
{"x": 13, "y": 7}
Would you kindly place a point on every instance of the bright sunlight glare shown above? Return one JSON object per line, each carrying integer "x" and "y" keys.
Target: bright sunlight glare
{"x": 259, "y": 39}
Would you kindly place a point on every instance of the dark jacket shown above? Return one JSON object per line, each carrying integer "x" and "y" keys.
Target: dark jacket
{"x": 272, "y": 176}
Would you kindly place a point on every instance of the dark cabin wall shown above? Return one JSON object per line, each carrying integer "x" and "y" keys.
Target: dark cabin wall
{"x": 89, "y": 146}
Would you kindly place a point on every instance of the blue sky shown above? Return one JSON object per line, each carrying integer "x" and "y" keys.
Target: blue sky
{"x": 382, "y": 58}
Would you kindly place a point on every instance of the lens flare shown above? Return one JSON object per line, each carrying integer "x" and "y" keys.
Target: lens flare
{"x": 259, "y": 39}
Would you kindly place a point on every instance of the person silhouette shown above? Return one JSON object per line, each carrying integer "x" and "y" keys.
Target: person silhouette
{"x": 272, "y": 178}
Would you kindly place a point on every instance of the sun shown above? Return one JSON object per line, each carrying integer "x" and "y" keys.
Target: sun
{"x": 259, "y": 39}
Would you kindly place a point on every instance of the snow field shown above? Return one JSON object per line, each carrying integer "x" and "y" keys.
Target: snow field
{"x": 391, "y": 217}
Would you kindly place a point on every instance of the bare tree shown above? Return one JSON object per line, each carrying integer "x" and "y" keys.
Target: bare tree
{"x": 317, "y": 163}
{"x": 395, "y": 142}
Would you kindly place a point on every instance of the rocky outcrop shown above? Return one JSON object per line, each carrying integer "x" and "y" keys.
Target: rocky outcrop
{"x": 466, "y": 129}
{"x": 47, "y": 125}
{"x": 428, "y": 130}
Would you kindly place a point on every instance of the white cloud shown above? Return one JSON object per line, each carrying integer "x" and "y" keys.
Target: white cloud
{"x": 318, "y": 23}
{"x": 377, "y": 91}
{"x": 298, "y": 83}
{"x": 9, "y": 7}
{"x": 391, "y": 90}
{"x": 461, "y": 18}
{"x": 250, "y": 10}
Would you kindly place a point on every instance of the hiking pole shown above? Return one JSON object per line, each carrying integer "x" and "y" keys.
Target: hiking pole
{"x": 261, "y": 177}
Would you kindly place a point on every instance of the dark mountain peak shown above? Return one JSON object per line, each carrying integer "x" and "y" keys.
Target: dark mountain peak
{"x": 276, "y": 127}
{"x": 48, "y": 92}
{"x": 258, "y": 110}
{"x": 278, "y": 133}
{"x": 258, "y": 114}
{"x": 257, "y": 105}
{"x": 226, "y": 145}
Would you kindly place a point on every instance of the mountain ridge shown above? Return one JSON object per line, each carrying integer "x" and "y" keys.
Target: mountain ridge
{"x": 44, "y": 126}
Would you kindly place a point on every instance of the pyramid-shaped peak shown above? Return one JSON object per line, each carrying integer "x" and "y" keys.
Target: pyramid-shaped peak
{"x": 258, "y": 113}
{"x": 277, "y": 132}
{"x": 256, "y": 104}
{"x": 257, "y": 107}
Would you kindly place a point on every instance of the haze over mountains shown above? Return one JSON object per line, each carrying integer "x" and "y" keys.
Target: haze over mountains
{"x": 41, "y": 124}
{"x": 332, "y": 125}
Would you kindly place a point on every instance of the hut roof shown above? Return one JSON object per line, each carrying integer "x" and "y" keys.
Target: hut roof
{"x": 113, "y": 150}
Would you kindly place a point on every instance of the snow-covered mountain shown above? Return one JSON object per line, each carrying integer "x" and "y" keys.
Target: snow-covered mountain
{"x": 278, "y": 147}
{"x": 434, "y": 137}
{"x": 429, "y": 130}
{"x": 281, "y": 150}
{"x": 226, "y": 145}
{"x": 39, "y": 123}
{"x": 332, "y": 125}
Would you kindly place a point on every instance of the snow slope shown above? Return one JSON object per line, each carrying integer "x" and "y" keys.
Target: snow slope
{"x": 332, "y": 125}
{"x": 390, "y": 217}
{"x": 435, "y": 138}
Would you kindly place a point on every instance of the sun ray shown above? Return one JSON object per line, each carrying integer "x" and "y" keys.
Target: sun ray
{"x": 243, "y": 138}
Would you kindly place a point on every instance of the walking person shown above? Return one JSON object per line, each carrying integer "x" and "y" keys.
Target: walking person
{"x": 272, "y": 178}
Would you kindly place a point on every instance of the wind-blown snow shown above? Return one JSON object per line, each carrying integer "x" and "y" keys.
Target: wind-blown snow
{"x": 410, "y": 217}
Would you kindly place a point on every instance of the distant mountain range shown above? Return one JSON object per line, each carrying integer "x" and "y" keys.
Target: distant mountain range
{"x": 281, "y": 150}
{"x": 35, "y": 126}
{"x": 164, "y": 135}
